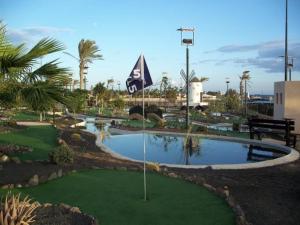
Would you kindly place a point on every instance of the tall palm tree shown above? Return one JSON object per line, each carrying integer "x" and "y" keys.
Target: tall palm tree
{"x": 88, "y": 51}
{"x": 245, "y": 77}
{"x": 241, "y": 86}
{"x": 163, "y": 86}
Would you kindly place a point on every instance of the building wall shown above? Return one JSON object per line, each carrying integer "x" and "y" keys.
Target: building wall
{"x": 287, "y": 101}
{"x": 195, "y": 91}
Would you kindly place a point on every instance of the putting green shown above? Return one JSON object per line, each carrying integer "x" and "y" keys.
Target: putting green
{"x": 116, "y": 198}
{"x": 42, "y": 139}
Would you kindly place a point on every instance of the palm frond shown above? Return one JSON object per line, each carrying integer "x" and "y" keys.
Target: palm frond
{"x": 47, "y": 71}
{"x": 44, "y": 47}
{"x": 88, "y": 51}
{"x": 41, "y": 95}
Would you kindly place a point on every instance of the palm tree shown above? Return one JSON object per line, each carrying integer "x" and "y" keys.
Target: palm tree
{"x": 87, "y": 53}
{"x": 23, "y": 78}
{"x": 100, "y": 91}
{"x": 110, "y": 82}
{"x": 163, "y": 85}
{"x": 241, "y": 86}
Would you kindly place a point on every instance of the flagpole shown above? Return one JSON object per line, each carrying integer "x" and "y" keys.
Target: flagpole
{"x": 144, "y": 142}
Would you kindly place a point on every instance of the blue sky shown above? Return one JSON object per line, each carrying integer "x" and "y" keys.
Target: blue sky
{"x": 231, "y": 36}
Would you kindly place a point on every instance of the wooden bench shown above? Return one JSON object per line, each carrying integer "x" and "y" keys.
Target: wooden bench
{"x": 281, "y": 128}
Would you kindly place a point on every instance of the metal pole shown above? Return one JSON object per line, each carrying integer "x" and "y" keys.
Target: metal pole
{"x": 187, "y": 87}
{"x": 227, "y": 87}
{"x": 246, "y": 111}
{"x": 286, "y": 41}
{"x": 144, "y": 142}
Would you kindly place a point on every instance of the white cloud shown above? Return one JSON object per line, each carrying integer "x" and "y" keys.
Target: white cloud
{"x": 267, "y": 55}
{"x": 30, "y": 33}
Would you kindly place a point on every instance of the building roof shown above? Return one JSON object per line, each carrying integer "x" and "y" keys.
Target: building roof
{"x": 195, "y": 79}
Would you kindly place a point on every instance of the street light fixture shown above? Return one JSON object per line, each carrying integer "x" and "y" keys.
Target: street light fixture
{"x": 187, "y": 41}
{"x": 246, "y": 97}
{"x": 290, "y": 65}
{"x": 227, "y": 83}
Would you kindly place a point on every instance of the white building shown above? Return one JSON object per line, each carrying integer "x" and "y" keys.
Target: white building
{"x": 196, "y": 93}
{"x": 287, "y": 101}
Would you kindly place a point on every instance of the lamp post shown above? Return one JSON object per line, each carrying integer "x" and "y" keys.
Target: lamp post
{"x": 290, "y": 65}
{"x": 187, "y": 42}
{"x": 85, "y": 72}
{"x": 227, "y": 84}
{"x": 246, "y": 75}
{"x": 82, "y": 69}
{"x": 286, "y": 42}
{"x": 119, "y": 83}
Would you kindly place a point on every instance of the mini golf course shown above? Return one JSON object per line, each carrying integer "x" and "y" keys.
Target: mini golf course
{"x": 42, "y": 140}
{"x": 116, "y": 197}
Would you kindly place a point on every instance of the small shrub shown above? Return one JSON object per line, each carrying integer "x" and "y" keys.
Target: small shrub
{"x": 76, "y": 137}
{"x": 62, "y": 155}
{"x": 200, "y": 129}
{"x": 153, "y": 117}
{"x": 158, "y": 121}
{"x": 136, "y": 110}
{"x": 11, "y": 123}
{"x": 153, "y": 166}
{"x": 236, "y": 126}
{"x": 150, "y": 109}
{"x": 16, "y": 211}
{"x": 154, "y": 109}
{"x": 136, "y": 116}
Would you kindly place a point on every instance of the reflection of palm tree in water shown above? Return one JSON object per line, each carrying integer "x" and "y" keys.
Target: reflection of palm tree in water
{"x": 103, "y": 134}
{"x": 166, "y": 141}
{"x": 191, "y": 146}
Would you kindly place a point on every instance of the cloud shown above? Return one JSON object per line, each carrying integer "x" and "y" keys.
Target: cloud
{"x": 237, "y": 48}
{"x": 268, "y": 56}
{"x": 30, "y": 33}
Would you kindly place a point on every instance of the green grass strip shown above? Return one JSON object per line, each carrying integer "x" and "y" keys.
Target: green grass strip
{"x": 116, "y": 197}
{"x": 42, "y": 139}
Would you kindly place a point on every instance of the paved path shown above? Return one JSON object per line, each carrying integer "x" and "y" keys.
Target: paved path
{"x": 30, "y": 123}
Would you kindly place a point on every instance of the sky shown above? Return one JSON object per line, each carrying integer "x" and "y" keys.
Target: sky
{"x": 231, "y": 36}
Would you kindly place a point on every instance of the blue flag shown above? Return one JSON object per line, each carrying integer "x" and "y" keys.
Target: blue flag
{"x": 139, "y": 73}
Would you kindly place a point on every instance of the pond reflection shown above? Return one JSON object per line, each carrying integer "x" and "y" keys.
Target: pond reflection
{"x": 191, "y": 146}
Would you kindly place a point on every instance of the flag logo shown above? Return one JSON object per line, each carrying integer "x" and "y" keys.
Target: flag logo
{"x": 139, "y": 75}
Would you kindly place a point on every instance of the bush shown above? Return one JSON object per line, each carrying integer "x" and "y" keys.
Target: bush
{"x": 136, "y": 116}
{"x": 15, "y": 210}
{"x": 76, "y": 137}
{"x": 11, "y": 123}
{"x": 62, "y": 155}
{"x": 150, "y": 109}
{"x": 155, "y": 118}
{"x": 200, "y": 129}
{"x": 136, "y": 110}
{"x": 153, "y": 109}
{"x": 236, "y": 126}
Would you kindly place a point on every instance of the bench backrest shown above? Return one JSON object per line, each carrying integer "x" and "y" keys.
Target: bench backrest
{"x": 272, "y": 124}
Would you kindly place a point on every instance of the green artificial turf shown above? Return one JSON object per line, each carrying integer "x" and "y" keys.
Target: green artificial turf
{"x": 30, "y": 116}
{"x": 138, "y": 124}
{"x": 230, "y": 133}
{"x": 27, "y": 116}
{"x": 42, "y": 139}
{"x": 116, "y": 198}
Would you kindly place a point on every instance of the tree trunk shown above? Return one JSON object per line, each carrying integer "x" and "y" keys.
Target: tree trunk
{"x": 41, "y": 116}
{"x": 81, "y": 74}
{"x": 53, "y": 114}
